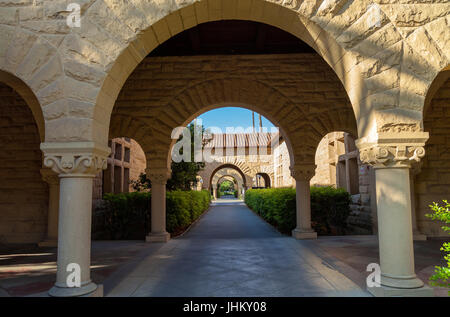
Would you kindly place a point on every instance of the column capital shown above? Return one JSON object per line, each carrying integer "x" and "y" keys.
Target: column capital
{"x": 158, "y": 175}
{"x": 75, "y": 159}
{"x": 393, "y": 149}
{"x": 49, "y": 176}
{"x": 303, "y": 171}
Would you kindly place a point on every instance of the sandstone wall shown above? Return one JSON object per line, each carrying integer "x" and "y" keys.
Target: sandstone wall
{"x": 138, "y": 162}
{"x": 282, "y": 163}
{"x": 23, "y": 194}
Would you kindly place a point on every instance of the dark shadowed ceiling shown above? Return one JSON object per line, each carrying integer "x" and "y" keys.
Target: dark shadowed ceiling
{"x": 232, "y": 37}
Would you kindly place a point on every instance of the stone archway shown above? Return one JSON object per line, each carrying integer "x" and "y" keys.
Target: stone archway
{"x": 228, "y": 170}
{"x": 265, "y": 178}
{"x": 240, "y": 166}
{"x": 28, "y": 214}
{"x": 429, "y": 180}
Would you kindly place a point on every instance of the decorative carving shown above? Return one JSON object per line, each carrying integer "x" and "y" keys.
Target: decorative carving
{"x": 158, "y": 176}
{"x": 392, "y": 155}
{"x": 90, "y": 164}
{"x": 303, "y": 172}
{"x": 402, "y": 149}
{"x": 399, "y": 127}
{"x": 75, "y": 159}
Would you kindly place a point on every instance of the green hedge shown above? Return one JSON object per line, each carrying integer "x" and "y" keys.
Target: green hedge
{"x": 329, "y": 208}
{"x": 128, "y": 215}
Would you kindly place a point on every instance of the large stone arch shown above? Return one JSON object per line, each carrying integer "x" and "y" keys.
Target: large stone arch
{"x": 334, "y": 36}
{"x": 228, "y": 171}
{"x": 294, "y": 123}
{"x": 217, "y": 93}
{"x": 247, "y": 173}
{"x": 76, "y": 74}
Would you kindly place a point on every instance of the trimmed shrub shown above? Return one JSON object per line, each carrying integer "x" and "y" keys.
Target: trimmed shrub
{"x": 329, "y": 208}
{"x": 128, "y": 215}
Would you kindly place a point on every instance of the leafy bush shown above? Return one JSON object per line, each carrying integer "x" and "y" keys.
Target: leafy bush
{"x": 128, "y": 215}
{"x": 329, "y": 208}
{"x": 442, "y": 274}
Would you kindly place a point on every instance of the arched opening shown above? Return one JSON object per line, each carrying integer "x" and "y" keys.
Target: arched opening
{"x": 166, "y": 92}
{"x": 227, "y": 187}
{"x": 274, "y": 15}
{"x": 183, "y": 87}
{"x": 24, "y": 195}
{"x": 234, "y": 176}
{"x": 262, "y": 180}
{"x": 430, "y": 182}
{"x": 226, "y": 170}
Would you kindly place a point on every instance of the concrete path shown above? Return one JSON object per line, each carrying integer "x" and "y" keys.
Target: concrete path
{"x": 230, "y": 251}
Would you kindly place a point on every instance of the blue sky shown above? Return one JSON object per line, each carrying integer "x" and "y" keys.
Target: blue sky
{"x": 232, "y": 117}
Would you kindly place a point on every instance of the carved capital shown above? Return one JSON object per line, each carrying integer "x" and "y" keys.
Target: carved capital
{"x": 158, "y": 176}
{"x": 393, "y": 149}
{"x": 75, "y": 159}
{"x": 49, "y": 176}
{"x": 303, "y": 172}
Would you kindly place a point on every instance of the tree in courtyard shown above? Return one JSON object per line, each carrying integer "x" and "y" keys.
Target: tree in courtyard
{"x": 184, "y": 174}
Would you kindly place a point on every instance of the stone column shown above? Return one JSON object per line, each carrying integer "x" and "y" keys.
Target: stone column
{"x": 392, "y": 155}
{"x": 76, "y": 163}
{"x": 158, "y": 179}
{"x": 302, "y": 175}
{"x": 417, "y": 235}
{"x": 52, "y": 179}
{"x": 214, "y": 187}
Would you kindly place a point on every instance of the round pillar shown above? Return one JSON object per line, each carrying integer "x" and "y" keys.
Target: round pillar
{"x": 76, "y": 166}
{"x": 158, "y": 179}
{"x": 302, "y": 175}
{"x": 74, "y": 236}
{"x": 395, "y": 224}
{"x": 392, "y": 154}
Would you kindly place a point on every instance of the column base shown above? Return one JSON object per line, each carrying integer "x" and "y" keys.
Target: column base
{"x": 48, "y": 243}
{"x": 158, "y": 237}
{"x": 300, "y": 234}
{"x": 386, "y": 291}
{"x": 89, "y": 290}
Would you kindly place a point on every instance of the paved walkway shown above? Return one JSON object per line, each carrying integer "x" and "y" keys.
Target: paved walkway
{"x": 230, "y": 251}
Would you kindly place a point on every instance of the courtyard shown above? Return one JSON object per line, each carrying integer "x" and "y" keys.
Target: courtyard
{"x": 229, "y": 252}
